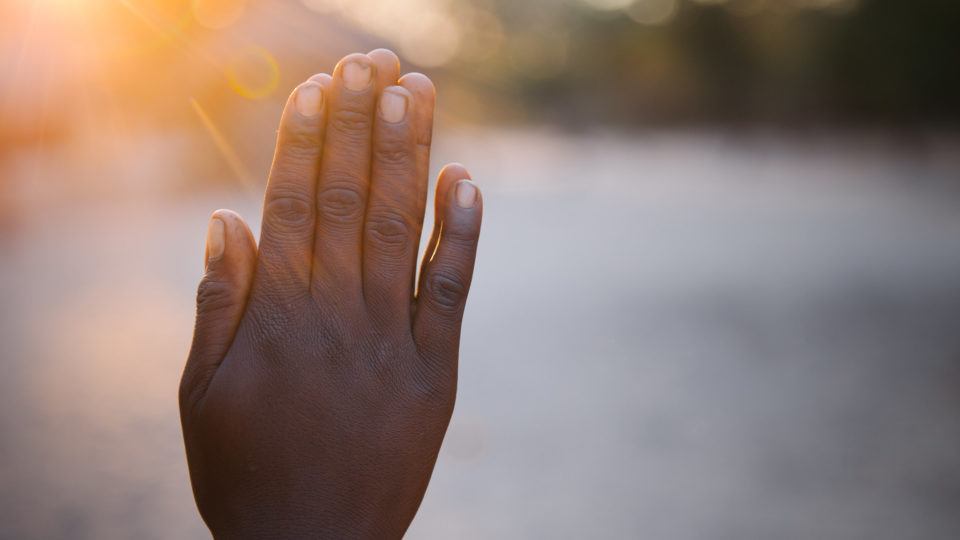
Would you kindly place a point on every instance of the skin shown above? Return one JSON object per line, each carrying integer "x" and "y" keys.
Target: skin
{"x": 319, "y": 386}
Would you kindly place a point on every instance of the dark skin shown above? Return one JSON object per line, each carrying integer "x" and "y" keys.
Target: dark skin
{"x": 321, "y": 380}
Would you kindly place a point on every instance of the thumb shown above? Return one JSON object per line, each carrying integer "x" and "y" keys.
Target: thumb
{"x": 221, "y": 301}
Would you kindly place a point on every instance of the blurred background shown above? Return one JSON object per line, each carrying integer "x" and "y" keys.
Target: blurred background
{"x": 718, "y": 293}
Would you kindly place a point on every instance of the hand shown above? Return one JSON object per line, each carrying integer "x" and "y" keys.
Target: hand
{"x": 319, "y": 386}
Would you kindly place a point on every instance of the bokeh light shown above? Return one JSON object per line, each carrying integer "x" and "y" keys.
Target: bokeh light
{"x": 653, "y": 12}
{"x": 608, "y": 5}
{"x": 427, "y": 32}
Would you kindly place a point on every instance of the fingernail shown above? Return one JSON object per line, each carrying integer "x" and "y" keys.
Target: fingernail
{"x": 216, "y": 239}
{"x": 466, "y": 194}
{"x": 393, "y": 106}
{"x": 356, "y": 76}
{"x": 309, "y": 100}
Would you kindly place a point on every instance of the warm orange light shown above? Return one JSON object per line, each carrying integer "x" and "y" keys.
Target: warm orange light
{"x": 218, "y": 14}
{"x": 254, "y": 73}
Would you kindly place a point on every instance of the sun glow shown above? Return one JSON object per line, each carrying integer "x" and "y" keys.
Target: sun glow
{"x": 101, "y": 72}
{"x": 128, "y": 48}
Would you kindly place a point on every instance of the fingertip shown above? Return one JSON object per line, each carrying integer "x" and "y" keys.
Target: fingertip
{"x": 425, "y": 96}
{"x": 462, "y": 212}
{"x": 419, "y": 84}
{"x": 451, "y": 172}
{"x": 237, "y": 227}
{"x": 449, "y": 175}
{"x": 356, "y": 72}
{"x": 466, "y": 195}
{"x": 229, "y": 217}
{"x": 323, "y": 79}
{"x": 382, "y": 52}
{"x": 216, "y": 241}
{"x": 302, "y": 119}
{"x": 308, "y": 99}
{"x": 230, "y": 243}
{"x": 399, "y": 90}
{"x": 388, "y": 65}
{"x": 352, "y": 57}
{"x": 226, "y": 214}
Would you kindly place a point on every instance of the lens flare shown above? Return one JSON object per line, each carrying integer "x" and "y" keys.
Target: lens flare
{"x": 254, "y": 73}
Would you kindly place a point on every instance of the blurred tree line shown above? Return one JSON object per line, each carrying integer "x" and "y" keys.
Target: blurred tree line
{"x": 78, "y": 66}
{"x": 873, "y": 62}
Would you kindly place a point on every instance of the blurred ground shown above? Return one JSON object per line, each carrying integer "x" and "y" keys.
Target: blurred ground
{"x": 676, "y": 336}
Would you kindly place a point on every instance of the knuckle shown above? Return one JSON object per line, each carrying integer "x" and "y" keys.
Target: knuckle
{"x": 288, "y": 211}
{"x": 301, "y": 138}
{"x": 340, "y": 202}
{"x": 447, "y": 289}
{"x": 393, "y": 153}
{"x": 435, "y": 387}
{"x": 292, "y": 172}
{"x": 194, "y": 382}
{"x": 388, "y": 232}
{"x": 460, "y": 243}
{"x": 462, "y": 236}
{"x": 187, "y": 394}
{"x": 213, "y": 295}
{"x": 185, "y": 390}
{"x": 351, "y": 119}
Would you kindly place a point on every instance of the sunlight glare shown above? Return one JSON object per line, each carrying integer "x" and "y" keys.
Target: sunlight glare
{"x": 218, "y": 14}
{"x": 254, "y": 73}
